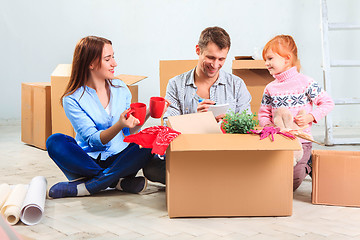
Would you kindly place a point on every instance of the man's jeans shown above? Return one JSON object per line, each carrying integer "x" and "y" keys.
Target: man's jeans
{"x": 155, "y": 170}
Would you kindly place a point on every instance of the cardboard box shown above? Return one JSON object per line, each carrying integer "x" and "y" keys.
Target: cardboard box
{"x": 172, "y": 68}
{"x": 253, "y": 72}
{"x": 255, "y": 76}
{"x": 60, "y": 79}
{"x": 35, "y": 113}
{"x": 336, "y": 178}
{"x": 215, "y": 174}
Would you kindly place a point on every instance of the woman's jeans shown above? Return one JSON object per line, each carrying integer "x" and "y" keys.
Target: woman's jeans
{"x": 76, "y": 163}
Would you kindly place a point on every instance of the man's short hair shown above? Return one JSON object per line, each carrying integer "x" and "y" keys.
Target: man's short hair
{"x": 216, "y": 35}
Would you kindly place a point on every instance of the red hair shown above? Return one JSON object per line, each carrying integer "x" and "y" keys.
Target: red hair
{"x": 285, "y": 46}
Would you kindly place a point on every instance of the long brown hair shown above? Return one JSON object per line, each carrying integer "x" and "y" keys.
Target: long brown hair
{"x": 87, "y": 51}
{"x": 283, "y": 45}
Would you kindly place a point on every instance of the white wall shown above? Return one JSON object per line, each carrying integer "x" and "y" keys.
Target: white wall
{"x": 37, "y": 35}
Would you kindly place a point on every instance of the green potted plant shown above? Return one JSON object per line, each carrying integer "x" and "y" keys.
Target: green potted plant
{"x": 240, "y": 123}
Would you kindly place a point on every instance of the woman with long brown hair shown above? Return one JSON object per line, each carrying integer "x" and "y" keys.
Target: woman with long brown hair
{"x": 97, "y": 107}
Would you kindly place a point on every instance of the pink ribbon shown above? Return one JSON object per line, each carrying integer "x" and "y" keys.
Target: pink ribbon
{"x": 270, "y": 131}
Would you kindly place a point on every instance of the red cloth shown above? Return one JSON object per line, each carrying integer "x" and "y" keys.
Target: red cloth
{"x": 158, "y": 138}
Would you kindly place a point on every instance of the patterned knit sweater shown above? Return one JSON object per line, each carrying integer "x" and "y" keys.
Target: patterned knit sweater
{"x": 294, "y": 91}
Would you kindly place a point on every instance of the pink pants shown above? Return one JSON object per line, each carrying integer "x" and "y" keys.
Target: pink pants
{"x": 302, "y": 169}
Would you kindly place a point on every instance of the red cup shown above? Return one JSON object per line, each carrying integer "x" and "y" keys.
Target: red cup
{"x": 138, "y": 110}
{"x": 157, "y": 105}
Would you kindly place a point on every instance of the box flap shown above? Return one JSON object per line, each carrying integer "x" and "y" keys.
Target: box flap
{"x": 38, "y": 84}
{"x": 62, "y": 70}
{"x": 335, "y": 152}
{"x": 130, "y": 79}
{"x": 248, "y": 64}
{"x": 195, "y": 123}
{"x": 216, "y": 142}
{"x": 244, "y": 58}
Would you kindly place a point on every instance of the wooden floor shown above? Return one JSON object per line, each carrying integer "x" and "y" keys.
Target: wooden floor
{"x": 117, "y": 215}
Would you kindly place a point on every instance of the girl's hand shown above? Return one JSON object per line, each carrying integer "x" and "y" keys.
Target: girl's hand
{"x": 303, "y": 120}
{"x": 129, "y": 120}
{"x": 204, "y": 106}
{"x": 220, "y": 117}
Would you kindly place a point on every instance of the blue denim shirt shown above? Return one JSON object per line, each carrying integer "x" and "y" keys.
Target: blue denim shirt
{"x": 89, "y": 118}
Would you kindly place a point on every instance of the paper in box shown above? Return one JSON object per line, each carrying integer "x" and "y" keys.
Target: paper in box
{"x": 336, "y": 178}
{"x": 35, "y": 113}
{"x": 256, "y": 77}
{"x": 60, "y": 79}
{"x": 217, "y": 174}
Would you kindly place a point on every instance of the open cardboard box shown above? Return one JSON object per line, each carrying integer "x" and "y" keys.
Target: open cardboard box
{"x": 336, "y": 178}
{"x": 256, "y": 77}
{"x": 219, "y": 174}
{"x": 59, "y": 80}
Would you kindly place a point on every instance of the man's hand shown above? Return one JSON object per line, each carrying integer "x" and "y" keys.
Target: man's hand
{"x": 204, "y": 106}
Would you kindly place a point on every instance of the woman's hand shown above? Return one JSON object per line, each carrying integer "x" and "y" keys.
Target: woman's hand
{"x": 167, "y": 104}
{"x": 128, "y": 120}
{"x": 124, "y": 121}
{"x": 303, "y": 120}
{"x": 204, "y": 106}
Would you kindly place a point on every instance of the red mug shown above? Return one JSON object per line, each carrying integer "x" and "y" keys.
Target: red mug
{"x": 157, "y": 105}
{"x": 138, "y": 110}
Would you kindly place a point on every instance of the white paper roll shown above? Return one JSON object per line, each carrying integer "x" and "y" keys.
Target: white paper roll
{"x": 12, "y": 206}
{"x": 4, "y": 193}
{"x": 33, "y": 207}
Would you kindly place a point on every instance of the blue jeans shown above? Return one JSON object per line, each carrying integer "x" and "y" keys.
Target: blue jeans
{"x": 75, "y": 163}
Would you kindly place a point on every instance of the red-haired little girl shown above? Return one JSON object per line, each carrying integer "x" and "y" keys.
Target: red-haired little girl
{"x": 293, "y": 92}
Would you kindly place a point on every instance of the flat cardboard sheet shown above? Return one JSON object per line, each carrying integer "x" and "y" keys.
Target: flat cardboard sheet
{"x": 195, "y": 123}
